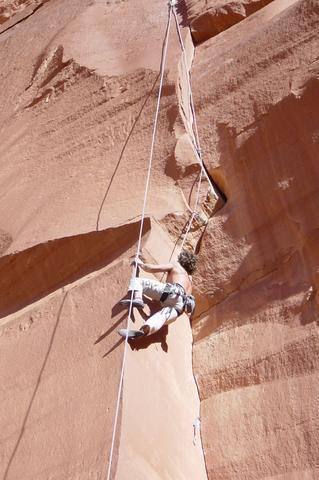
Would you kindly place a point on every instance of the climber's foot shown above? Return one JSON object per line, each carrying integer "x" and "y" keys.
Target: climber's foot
{"x": 135, "y": 302}
{"x": 130, "y": 333}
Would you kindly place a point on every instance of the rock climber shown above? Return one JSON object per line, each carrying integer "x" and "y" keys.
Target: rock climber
{"x": 175, "y": 295}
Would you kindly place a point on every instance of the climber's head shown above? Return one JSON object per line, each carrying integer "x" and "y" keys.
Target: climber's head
{"x": 188, "y": 261}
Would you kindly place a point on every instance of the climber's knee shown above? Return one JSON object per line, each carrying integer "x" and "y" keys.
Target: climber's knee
{"x": 145, "y": 329}
{"x": 136, "y": 285}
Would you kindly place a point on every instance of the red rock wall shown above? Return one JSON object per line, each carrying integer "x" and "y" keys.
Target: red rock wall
{"x": 256, "y": 340}
{"x": 79, "y": 85}
{"x": 60, "y": 362}
{"x": 208, "y": 18}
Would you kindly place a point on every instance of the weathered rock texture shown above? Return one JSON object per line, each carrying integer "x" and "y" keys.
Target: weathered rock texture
{"x": 15, "y": 11}
{"x": 208, "y": 18}
{"x": 60, "y": 364}
{"x": 79, "y": 81}
{"x": 256, "y": 341}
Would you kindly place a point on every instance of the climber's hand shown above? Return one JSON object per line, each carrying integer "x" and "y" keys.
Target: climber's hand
{"x": 138, "y": 262}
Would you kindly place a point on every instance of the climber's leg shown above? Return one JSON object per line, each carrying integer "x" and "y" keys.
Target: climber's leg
{"x": 151, "y": 288}
{"x": 154, "y": 323}
{"x": 165, "y": 316}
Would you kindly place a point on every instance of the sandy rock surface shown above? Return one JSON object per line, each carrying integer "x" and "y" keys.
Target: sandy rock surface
{"x": 77, "y": 119}
{"x": 14, "y": 11}
{"x": 60, "y": 364}
{"x": 256, "y": 341}
{"x": 208, "y": 18}
{"x": 79, "y": 85}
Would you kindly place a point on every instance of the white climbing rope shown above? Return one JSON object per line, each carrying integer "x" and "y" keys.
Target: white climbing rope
{"x": 162, "y": 71}
{"x": 194, "y": 214}
{"x": 194, "y": 136}
{"x": 196, "y": 145}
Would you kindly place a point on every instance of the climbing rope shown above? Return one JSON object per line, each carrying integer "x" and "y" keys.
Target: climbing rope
{"x": 194, "y": 136}
{"x": 196, "y": 146}
{"x": 194, "y": 213}
{"x": 138, "y": 251}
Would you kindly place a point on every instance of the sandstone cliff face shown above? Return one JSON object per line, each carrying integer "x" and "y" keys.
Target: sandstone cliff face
{"x": 79, "y": 89}
{"x": 208, "y": 18}
{"x": 256, "y": 340}
{"x": 79, "y": 85}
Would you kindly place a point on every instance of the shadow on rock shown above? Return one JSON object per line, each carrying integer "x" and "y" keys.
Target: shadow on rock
{"x": 37, "y": 384}
{"x": 117, "y": 344}
{"x": 122, "y": 153}
{"x": 140, "y": 343}
{"x": 110, "y": 330}
{"x": 145, "y": 342}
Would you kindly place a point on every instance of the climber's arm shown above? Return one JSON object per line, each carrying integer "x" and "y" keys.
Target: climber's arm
{"x": 149, "y": 267}
{"x": 154, "y": 268}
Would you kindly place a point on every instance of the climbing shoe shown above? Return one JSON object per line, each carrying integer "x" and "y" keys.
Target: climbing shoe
{"x": 135, "y": 303}
{"x": 130, "y": 333}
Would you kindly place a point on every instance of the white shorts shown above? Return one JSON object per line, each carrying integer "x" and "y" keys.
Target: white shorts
{"x": 154, "y": 289}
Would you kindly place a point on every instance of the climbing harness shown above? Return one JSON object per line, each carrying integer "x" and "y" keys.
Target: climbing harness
{"x": 189, "y": 304}
{"x": 177, "y": 289}
{"x": 189, "y": 301}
